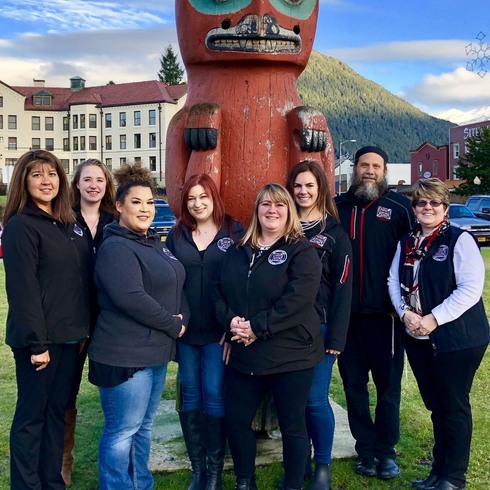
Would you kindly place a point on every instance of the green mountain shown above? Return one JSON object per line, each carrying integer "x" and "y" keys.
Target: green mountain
{"x": 357, "y": 108}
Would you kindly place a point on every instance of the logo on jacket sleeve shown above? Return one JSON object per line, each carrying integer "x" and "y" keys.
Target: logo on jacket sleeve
{"x": 278, "y": 257}
{"x": 168, "y": 253}
{"x": 225, "y": 243}
{"x": 383, "y": 214}
{"x": 441, "y": 253}
{"x": 318, "y": 240}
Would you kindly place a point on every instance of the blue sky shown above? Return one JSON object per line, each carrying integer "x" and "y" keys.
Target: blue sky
{"x": 416, "y": 49}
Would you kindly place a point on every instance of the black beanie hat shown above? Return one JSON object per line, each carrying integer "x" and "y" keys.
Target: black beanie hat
{"x": 371, "y": 149}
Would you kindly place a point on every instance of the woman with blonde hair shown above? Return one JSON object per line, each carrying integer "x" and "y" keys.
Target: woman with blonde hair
{"x": 266, "y": 292}
{"x": 47, "y": 317}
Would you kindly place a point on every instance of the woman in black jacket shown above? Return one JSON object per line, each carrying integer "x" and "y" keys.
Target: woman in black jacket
{"x": 48, "y": 314}
{"x": 266, "y": 293}
{"x": 199, "y": 240}
{"x": 317, "y": 211}
{"x": 92, "y": 198}
{"x": 142, "y": 312}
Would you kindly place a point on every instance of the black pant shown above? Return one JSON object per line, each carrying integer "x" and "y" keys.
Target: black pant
{"x": 36, "y": 435}
{"x": 243, "y": 394}
{"x": 373, "y": 345}
{"x": 444, "y": 382}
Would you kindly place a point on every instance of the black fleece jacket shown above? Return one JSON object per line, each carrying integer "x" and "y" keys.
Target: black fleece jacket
{"x": 43, "y": 276}
{"x": 139, "y": 286}
{"x": 198, "y": 287}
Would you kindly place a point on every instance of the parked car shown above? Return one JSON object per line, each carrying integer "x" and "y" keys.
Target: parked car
{"x": 462, "y": 217}
{"x": 164, "y": 219}
{"x": 480, "y": 206}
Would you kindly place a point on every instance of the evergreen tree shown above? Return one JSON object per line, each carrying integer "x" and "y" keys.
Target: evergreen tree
{"x": 170, "y": 72}
{"x": 475, "y": 163}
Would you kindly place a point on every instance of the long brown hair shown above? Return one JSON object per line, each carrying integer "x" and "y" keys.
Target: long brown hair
{"x": 324, "y": 203}
{"x": 18, "y": 195}
{"x": 204, "y": 180}
{"x": 108, "y": 200}
{"x": 277, "y": 193}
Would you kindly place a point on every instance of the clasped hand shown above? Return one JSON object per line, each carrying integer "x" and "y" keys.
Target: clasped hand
{"x": 419, "y": 325}
{"x": 242, "y": 331}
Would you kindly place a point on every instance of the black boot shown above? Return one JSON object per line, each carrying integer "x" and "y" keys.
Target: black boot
{"x": 192, "y": 423}
{"x": 215, "y": 448}
{"x": 322, "y": 478}
{"x": 246, "y": 484}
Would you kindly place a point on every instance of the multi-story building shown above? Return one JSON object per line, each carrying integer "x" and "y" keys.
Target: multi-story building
{"x": 429, "y": 160}
{"x": 115, "y": 123}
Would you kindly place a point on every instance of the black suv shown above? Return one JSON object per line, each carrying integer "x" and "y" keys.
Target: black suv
{"x": 164, "y": 219}
{"x": 480, "y": 205}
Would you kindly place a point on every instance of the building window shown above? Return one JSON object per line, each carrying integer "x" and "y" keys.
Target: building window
{"x": 41, "y": 99}
{"x": 92, "y": 142}
{"x": 108, "y": 120}
{"x": 1, "y": 121}
{"x": 11, "y": 161}
{"x": 49, "y": 123}
{"x": 137, "y": 160}
{"x": 108, "y": 164}
{"x": 137, "y": 140}
{"x": 66, "y": 144}
{"x": 419, "y": 169}
{"x": 12, "y": 122}
{"x": 12, "y": 143}
{"x": 108, "y": 142}
{"x": 137, "y": 118}
{"x": 66, "y": 165}
{"x": 66, "y": 123}
{"x": 75, "y": 121}
{"x": 75, "y": 163}
{"x": 122, "y": 141}
{"x": 36, "y": 123}
{"x": 92, "y": 121}
{"x": 82, "y": 121}
{"x": 153, "y": 164}
{"x": 152, "y": 117}
{"x": 49, "y": 144}
{"x": 435, "y": 167}
{"x": 122, "y": 161}
{"x": 75, "y": 143}
{"x": 36, "y": 144}
{"x": 153, "y": 140}
{"x": 122, "y": 119}
{"x": 1, "y": 101}
{"x": 456, "y": 150}
{"x": 82, "y": 143}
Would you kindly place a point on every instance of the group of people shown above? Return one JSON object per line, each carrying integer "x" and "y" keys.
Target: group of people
{"x": 244, "y": 312}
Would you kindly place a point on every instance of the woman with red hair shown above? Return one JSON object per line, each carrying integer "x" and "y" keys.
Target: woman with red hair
{"x": 199, "y": 240}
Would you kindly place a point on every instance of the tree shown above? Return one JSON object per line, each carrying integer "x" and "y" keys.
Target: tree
{"x": 170, "y": 72}
{"x": 475, "y": 163}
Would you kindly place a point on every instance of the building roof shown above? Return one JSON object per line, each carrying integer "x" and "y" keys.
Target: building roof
{"x": 119, "y": 94}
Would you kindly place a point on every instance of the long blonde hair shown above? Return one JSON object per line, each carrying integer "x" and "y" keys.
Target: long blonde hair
{"x": 277, "y": 193}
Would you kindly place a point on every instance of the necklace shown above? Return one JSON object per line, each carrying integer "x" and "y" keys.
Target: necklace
{"x": 264, "y": 246}
{"x": 92, "y": 225}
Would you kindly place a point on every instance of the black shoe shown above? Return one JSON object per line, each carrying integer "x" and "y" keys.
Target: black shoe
{"x": 366, "y": 467}
{"x": 246, "y": 484}
{"x": 430, "y": 481}
{"x": 322, "y": 478}
{"x": 387, "y": 469}
{"x": 214, "y": 442}
{"x": 445, "y": 485}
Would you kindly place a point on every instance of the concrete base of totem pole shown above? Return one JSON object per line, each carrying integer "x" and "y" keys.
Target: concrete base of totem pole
{"x": 168, "y": 451}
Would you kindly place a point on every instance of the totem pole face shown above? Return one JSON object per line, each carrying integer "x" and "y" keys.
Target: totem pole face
{"x": 213, "y": 31}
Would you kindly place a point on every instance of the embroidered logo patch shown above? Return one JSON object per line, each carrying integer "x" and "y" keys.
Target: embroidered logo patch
{"x": 278, "y": 257}
{"x": 441, "y": 253}
{"x": 225, "y": 243}
{"x": 318, "y": 240}
{"x": 384, "y": 214}
{"x": 168, "y": 253}
{"x": 77, "y": 230}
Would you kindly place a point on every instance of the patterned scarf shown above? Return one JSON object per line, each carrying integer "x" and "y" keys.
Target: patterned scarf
{"x": 416, "y": 248}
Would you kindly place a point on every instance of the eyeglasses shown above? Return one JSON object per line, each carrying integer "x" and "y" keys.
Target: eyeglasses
{"x": 421, "y": 203}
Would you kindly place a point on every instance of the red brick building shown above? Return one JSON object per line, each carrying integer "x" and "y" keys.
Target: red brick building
{"x": 429, "y": 160}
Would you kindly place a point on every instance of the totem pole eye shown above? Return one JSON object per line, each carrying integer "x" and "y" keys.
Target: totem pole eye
{"x": 294, "y": 2}
{"x": 298, "y": 9}
{"x": 218, "y": 7}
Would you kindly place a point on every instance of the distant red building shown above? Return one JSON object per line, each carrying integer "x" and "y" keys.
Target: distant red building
{"x": 429, "y": 160}
{"x": 457, "y": 142}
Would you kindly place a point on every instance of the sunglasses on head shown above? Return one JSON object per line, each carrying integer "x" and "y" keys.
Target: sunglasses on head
{"x": 421, "y": 203}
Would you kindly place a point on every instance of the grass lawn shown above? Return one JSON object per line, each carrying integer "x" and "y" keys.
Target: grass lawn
{"x": 414, "y": 447}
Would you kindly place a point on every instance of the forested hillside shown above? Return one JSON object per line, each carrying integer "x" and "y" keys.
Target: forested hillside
{"x": 357, "y": 108}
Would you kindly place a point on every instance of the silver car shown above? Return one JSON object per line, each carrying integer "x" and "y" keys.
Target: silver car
{"x": 462, "y": 217}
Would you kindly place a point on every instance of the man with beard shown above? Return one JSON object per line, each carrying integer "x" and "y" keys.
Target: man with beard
{"x": 375, "y": 219}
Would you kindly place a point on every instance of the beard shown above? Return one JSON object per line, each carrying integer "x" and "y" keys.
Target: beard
{"x": 368, "y": 191}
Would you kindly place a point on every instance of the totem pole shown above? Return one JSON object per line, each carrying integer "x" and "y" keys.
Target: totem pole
{"x": 243, "y": 123}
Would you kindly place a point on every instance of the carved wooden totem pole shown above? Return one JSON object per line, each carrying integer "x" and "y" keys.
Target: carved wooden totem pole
{"x": 243, "y": 122}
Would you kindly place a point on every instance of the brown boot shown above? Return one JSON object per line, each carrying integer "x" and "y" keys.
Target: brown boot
{"x": 70, "y": 422}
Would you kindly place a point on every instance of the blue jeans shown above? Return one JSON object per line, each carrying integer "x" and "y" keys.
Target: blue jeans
{"x": 201, "y": 375}
{"x": 124, "y": 447}
{"x": 320, "y": 419}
